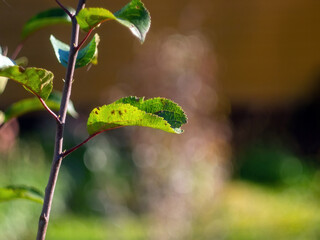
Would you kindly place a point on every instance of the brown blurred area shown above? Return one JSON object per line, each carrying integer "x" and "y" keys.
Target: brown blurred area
{"x": 267, "y": 52}
{"x": 238, "y": 69}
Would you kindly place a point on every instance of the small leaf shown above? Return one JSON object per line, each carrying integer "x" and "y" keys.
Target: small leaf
{"x": 20, "y": 192}
{"x": 134, "y": 16}
{"x": 22, "y": 62}
{"x": 89, "y": 18}
{"x": 85, "y": 56}
{"x": 159, "y": 113}
{"x": 2, "y": 117}
{"x": 33, "y": 104}
{"x": 3, "y": 84}
{"x": 6, "y": 62}
{"x": 36, "y": 80}
{"x": 46, "y": 18}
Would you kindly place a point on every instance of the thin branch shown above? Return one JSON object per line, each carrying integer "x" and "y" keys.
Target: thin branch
{"x": 65, "y": 9}
{"x": 17, "y": 50}
{"x": 66, "y": 153}
{"x": 85, "y": 39}
{"x": 57, "y": 158}
{"x": 49, "y": 110}
{"x": 44, "y": 104}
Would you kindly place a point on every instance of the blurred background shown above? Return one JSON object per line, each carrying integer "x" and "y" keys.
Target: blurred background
{"x": 247, "y": 167}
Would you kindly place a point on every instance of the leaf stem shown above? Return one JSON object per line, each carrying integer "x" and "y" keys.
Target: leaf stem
{"x": 57, "y": 158}
{"x": 84, "y": 39}
{"x": 18, "y": 50}
{"x": 67, "y": 152}
{"x": 65, "y": 9}
{"x": 49, "y": 110}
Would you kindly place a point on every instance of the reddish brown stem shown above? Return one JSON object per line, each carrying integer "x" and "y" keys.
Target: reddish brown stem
{"x": 66, "y": 153}
{"x": 17, "y": 50}
{"x": 84, "y": 39}
{"x": 49, "y": 110}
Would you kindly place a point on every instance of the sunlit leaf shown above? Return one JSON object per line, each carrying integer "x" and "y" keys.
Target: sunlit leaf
{"x": 85, "y": 56}
{"x": 2, "y": 117}
{"x": 20, "y": 192}
{"x": 159, "y": 113}
{"x": 3, "y": 84}
{"x": 161, "y": 107}
{"x": 46, "y": 18}
{"x": 89, "y": 18}
{"x": 134, "y": 16}
{"x": 6, "y": 62}
{"x": 33, "y": 104}
{"x": 36, "y": 80}
{"x": 22, "y": 61}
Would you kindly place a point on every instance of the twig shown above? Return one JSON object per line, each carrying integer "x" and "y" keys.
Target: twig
{"x": 65, "y": 9}
{"x": 17, "y": 50}
{"x": 66, "y": 153}
{"x": 57, "y": 158}
{"x": 84, "y": 39}
{"x": 49, "y": 110}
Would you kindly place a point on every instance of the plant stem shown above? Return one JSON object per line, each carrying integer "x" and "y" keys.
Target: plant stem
{"x": 49, "y": 110}
{"x": 57, "y": 158}
{"x": 64, "y": 9}
{"x": 17, "y": 50}
{"x": 66, "y": 153}
{"x": 84, "y": 39}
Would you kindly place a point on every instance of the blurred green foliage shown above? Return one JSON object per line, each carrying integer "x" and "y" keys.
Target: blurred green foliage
{"x": 25, "y": 165}
{"x": 97, "y": 228}
{"x": 286, "y": 209}
{"x": 273, "y": 164}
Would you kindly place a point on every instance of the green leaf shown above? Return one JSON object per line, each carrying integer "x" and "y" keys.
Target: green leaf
{"x": 89, "y": 18}
{"x": 46, "y": 18}
{"x": 36, "y": 80}
{"x": 134, "y": 16}
{"x": 159, "y": 113}
{"x": 85, "y": 56}
{"x": 33, "y": 104}
{"x": 20, "y": 192}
